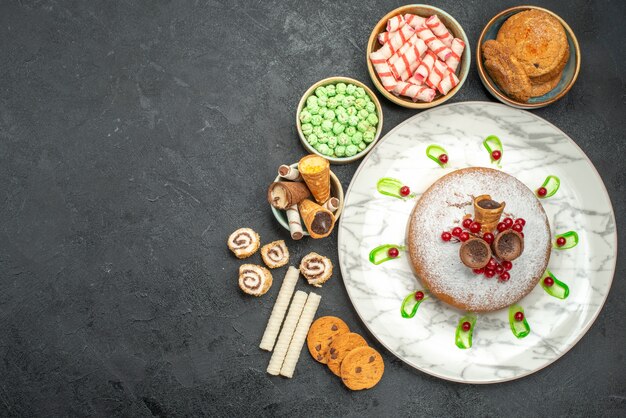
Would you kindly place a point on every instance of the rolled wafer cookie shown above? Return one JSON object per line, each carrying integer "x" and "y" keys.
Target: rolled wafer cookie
{"x": 289, "y": 173}
{"x": 295, "y": 224}
{"x": 283, "y": 194}
{"x": 331, "y": 204}
{"x": 280, "y": 308}
{"x": 286, "y": 334}
{"x": 299, "y": 336}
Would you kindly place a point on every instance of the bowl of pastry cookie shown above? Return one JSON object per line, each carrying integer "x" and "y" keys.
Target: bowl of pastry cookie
{"x": 528, "y": 57}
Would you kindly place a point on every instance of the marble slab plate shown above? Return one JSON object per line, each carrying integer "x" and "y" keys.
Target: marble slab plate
{"x": 533, "y": 149}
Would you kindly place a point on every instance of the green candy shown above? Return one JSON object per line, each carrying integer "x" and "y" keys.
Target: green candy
{"x": 353, "y": 120}
{"x": 307, "y": 128}
{"x": 317, "y": 130}
{"x": 332, "y": 102}
{"x": 371, "y": 129}
{"x": 367, "y": 99}
{"x": 360, "y": 103}
{"x": 330, "y": 90}
{"x": 313, "y": 110}
{"x": 305, "y": 116}
{"x": 340, "y": 88}
{"x": 312, "y": 139}
{"x": 323, "y": 149}
{"x": 372, "y": 119}
{"x": 322, "y": 110}
{"x": 320, "y": 91}
{"x": 370, "y": 107}
{"x": 327, "y": 126}
{"x": 362, "y": 146}
{"x": 322, "y": 139}
{"x": 369, "y": 136}
{"x": 343, "y": 139}
{"x": 332, "y": 142}
{"x": 350, "y": 88}
{"x": 359, "y": 92}
{"x": 316, "y": 120}
{"x": 348, "y": 101}
{"x": 351, "y": 150}
{"x": 363, "y": 114}
{"x": 338, "y": 128}
{"x": 357, "y": 138}
{"x": 350, "y": 130}
{"x": 322, "y": 101}
{"x": 352, "y": 111}
{"x": 340, "y": 98}
{"x": 340, "y": 150}
{"x": 341, "y": 110}
{"x": 362, "y": 126}
{"x": 342, "y": 118}
{"x": 329, "y": 115}
{"x": 311, "y": 101}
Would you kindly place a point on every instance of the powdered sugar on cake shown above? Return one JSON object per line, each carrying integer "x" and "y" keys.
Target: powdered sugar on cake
{"x": 438, "y": 264}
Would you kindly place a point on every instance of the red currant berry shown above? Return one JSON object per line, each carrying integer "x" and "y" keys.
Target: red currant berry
{"x": 507, "y": 265}
{"x": 496, "y": 155}
{"x": 464, "y": 236}
{"x": 405, "y": 191}
{"x": 466, "y": 326}
{"x": 419, "y": 295}
{"x": 467, "y": 222}
{"x": 492, "y": 263}
{"x": 519, "y": 317}
{"x": 489, "y": 273}
{"x": 508, "y": 222}
{"x": 488, "y": 237}
{"x": 446, "y": 236}
{"x": 520, "y": 221}
{"x": 393, "y": 252}
{"x": 475, "y": 227}
{"x": 499, "y": 269}
{"x": 443, "y": 158}
{"x": 542, "y": 191}
{"x": 560, "y": 241}
{"x": 517, "y": 228}
{"x": 478, "y": 271}
{"x": 505, "y": 276}
{"x": 501, "y": 227}
{"x": 456, "y": 231}
{"x": 548, "y": 281}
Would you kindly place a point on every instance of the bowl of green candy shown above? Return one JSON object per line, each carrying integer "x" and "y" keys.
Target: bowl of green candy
{"x": 340, "y": 119}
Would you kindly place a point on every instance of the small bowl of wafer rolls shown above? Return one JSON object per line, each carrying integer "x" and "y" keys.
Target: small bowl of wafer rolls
{"x": 306, "y": 197}
{"x": 527, "y": 57}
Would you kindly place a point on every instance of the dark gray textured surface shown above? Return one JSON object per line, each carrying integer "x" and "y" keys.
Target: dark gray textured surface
{"x": 135, "y": 137}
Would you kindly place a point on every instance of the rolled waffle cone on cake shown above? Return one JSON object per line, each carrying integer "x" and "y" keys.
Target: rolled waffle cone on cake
{"x": 284, "y": 194}
{"x": 487, "y": 212}
{"x": 315, "y": 171}
{"x": 318, "y": 221}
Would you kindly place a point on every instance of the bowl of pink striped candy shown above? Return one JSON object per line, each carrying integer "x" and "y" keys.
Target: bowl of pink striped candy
{"x": 418, "y": 56}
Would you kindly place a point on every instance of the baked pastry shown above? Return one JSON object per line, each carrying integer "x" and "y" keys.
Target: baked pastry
{"x": 437, "y": 263}
{"x": 318, "y": 220}
{"x": 316, "y": 269}
{"x": 538, "y": 41}
{"x": 244, "y": 242}
{"x": 362, "y": 368}
{"x": 254, "y": 280}
{"x": 539, "y": 89}
{"x": 340, "y": 347}
{"x": 275, "y": 254}
{"x": 284, "y": 194}
{"x": 322, "y": 333}
{"x": 315, "y": 171}
{"x": 507, "y": 71}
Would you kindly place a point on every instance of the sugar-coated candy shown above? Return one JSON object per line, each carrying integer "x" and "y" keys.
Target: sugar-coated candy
{"x": 343, "y": 139}
{"x": 332, "y": 103}
{"x": 312, "y": 139}
{"x": 317, "y": 130}
{"x": 305, "y": 116}
{"x": 372, "y": 119}
{"x": 359, "y": 92}
{"x": 323, "y": 138}
{"x": 332, "y": 142}
{"x": 311, "y": 101}
{"x": 350, "y": 130}
{"x": 351, "y": 150}
{"x": 316, "y": 120}
{"x": 370, "y": 107}
{"x": 353, "y": 120}
{"x": 320, "y": 91}
{"x": 330, "y": 90}
{"x": 340, "y": 88}
{"x": 357, "y": 138}
{"x": 340, "y": 98}
{"x": 313, "y": 110}
{"x": 362, "y": 146}
{"x": 342, "y": 117}
{"x": 340, "y": 150}
{"x": 322, "y": 101}
{"x": 363, "y": 114}
{"x": 327, "y": 125}
{"x": 348, "y": 101}
{"x": 362, "y": 126}
{"x": 307, "y": 128}
{"x": 350, "y": 89}
{"x": 338, "y": 128}
{"x": 360, "y": 103}
{"x": 368, "y": 137}
{"x": 329, "y": 115}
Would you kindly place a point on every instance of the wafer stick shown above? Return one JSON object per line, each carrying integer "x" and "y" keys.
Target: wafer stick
{"x": 295, "y": 224}
{"x": 331, "y": 204}
{"x": 286, "y": 334}
{"x": 299, "y": 336}
{"x": 289, "y": 173}
{"x": 280, "y": 308}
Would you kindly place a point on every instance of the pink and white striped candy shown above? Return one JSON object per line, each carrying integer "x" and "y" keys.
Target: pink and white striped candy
{"x": 405, "y": 76}
{"x": 402, "y": 49}
{"x": 423, "y": 70}
{"x": 412, "y": 55}
{"x": 396, "y": 41}
{"x": 448, "y": 82}
{"x": 436, "y": 74}
{"x": 416, "y": 93}
{"x": 439, "y": 29}
{"x": 384, "y": 37}
{"x": 457, "y": 48}
{"x": 384, "y": 73}
{"x": 395, "y": 23}
{"x": 442, "y": 51}
{"x": 414, "y": 21}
